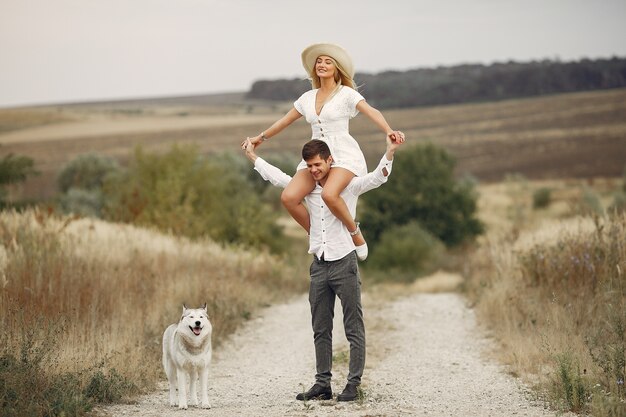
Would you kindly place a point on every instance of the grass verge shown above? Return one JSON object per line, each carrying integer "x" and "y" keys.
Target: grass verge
{"x": 84, "y": 303}
{"x": 559, "y": 309}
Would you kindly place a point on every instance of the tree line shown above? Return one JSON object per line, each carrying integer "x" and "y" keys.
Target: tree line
{"x": 466, "y": 83}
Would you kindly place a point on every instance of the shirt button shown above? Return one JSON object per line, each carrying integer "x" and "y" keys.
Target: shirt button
{"x": 322, "y": 135}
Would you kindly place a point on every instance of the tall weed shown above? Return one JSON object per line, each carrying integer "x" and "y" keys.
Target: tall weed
{"x": 569, "y": 296}
{"x": 84, "y": 303}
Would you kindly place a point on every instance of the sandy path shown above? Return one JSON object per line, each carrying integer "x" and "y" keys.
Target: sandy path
{"x": 426, "y": 356}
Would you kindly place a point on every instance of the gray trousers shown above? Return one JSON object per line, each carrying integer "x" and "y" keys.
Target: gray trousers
{"x": 329, "y": 279}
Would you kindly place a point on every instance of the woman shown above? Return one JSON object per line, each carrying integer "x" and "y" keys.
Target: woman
{"x": 328, "y": 107}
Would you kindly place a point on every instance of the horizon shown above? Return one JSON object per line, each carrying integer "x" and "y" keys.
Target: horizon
{"x": 116, "y": 100}
{"x": 73, "y": 51}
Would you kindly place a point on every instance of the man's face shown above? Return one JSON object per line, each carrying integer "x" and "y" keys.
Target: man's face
{"x": 319, "y": 167}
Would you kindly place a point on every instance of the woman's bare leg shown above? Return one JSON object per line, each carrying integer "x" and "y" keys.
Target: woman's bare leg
{"x": 299, "y": 187}
{"x": 338, "y": 180}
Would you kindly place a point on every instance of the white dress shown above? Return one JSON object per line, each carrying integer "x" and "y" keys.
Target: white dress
{"x": 331, "y": 126}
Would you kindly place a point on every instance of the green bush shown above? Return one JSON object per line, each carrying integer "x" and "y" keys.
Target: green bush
{"x": 542, "y": 198}
{"x": 108, "y": 388}
{"x": 87, "y": 172}
{"x": 83, "y": 202}
{"x": 422, "y": 188}
{"x": 81, "y": 182}
{"x": 269, "y": 194}
{"x": 186, "y": 194}
{"x": 406, "y": 251}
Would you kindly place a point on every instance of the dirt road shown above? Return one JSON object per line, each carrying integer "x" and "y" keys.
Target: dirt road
{"x": 426, "y": 356}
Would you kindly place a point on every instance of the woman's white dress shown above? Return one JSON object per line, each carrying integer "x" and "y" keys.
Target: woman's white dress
{"x": 331, "y": 126}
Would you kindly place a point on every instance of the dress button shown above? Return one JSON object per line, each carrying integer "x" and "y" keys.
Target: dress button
{"x": 322, "y": 135}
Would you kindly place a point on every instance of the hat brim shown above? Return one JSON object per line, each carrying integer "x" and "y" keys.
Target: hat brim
{"x": 310, "y": 54}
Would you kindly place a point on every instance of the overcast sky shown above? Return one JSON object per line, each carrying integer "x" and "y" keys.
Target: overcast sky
{"x": 75, "y": 50}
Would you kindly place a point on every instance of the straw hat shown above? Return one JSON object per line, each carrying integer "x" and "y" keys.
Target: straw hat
{"x": 310, "y": 54}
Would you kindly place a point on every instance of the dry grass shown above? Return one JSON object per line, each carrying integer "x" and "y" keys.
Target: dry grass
{"x": 16, "y": 119}
{"x": 106, "y": 292}
{"x": 552, "y": 288}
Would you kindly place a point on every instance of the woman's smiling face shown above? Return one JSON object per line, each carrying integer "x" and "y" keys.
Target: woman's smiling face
{"x": 325, "y": 67}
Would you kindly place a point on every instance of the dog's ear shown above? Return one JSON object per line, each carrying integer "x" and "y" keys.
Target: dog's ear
{"x": 184, "y": 309}
{"x": 204, "y": 307}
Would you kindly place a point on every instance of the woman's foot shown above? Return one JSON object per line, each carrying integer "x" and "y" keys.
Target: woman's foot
{"x": 361, "y": 252}
{"x": 359, "y": 243}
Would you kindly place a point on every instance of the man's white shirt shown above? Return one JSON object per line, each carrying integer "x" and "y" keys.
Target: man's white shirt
{"x": 328, "y": 235}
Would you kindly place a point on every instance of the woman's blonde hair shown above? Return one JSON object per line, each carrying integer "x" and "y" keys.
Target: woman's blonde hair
{"x": 341, "y": 77}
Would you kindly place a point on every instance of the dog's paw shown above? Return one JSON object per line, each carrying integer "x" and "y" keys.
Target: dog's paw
{"x": 205, "y": 405}
{"x": 182, "y": 407}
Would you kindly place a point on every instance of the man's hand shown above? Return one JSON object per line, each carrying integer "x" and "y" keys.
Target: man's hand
{"x": 249, "y": 149}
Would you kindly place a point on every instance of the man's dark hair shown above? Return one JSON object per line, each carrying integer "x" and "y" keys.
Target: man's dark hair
{"x": 315, "y": 147}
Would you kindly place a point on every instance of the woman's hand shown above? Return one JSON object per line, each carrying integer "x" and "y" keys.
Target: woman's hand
{"x": 249, "y": 148}
{"x": 396, "y": 136}
{"x": 256, "y": 141}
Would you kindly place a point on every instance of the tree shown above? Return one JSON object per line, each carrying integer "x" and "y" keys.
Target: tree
{"x": 422, "y": 188}
{"x": 14, "y": 169}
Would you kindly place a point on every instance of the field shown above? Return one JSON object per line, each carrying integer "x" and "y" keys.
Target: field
{"x": 580, "y": 135}
{"x": 545, "y": 316}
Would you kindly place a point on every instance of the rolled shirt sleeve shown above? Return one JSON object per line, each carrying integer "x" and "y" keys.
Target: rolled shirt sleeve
{"x": 270, "y": 173}
{"x": 371, "y": 180}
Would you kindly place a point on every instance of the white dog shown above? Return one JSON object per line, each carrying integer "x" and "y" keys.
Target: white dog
{"x": 187, "y": 355}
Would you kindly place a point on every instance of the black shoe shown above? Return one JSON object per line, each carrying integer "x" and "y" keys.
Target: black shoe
{"x": 317, "y": 392}
{"x": 350, "y": 392}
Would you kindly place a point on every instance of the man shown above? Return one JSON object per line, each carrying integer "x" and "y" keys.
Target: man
{"x": 334, "y": 271}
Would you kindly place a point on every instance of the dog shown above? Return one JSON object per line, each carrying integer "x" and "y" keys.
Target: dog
{"x": 187, "y": 355}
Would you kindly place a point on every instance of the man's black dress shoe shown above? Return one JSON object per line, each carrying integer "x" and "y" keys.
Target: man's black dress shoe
{"x": 350, "y": 392}
{"x": 317, "y": 392}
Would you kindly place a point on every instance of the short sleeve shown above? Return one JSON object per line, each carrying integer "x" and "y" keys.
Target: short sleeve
{"x": 299, "y": 104}
{"x": 353, "y": 99}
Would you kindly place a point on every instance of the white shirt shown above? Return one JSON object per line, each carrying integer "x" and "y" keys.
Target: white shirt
{"x": 328, "y": 235}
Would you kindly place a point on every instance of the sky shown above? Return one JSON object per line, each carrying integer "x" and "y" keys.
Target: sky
{"x": 57, "y": 51}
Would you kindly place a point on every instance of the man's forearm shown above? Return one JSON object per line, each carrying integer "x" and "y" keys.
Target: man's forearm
{"x": 271, "y": 173}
